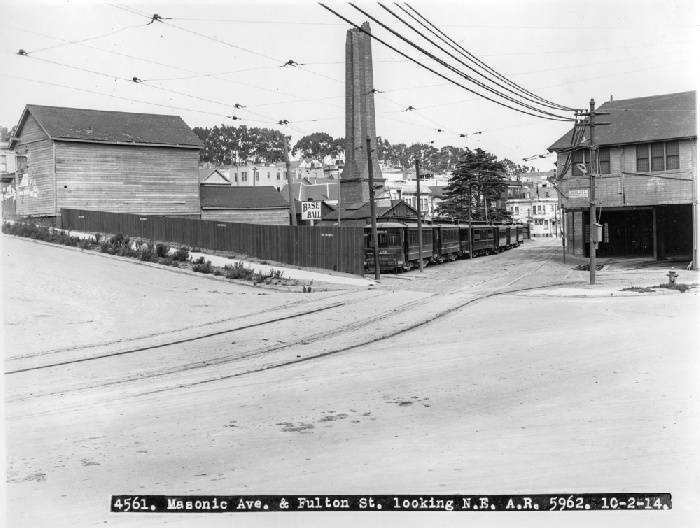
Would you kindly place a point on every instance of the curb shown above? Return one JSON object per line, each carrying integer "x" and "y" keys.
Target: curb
{"x": 160, "y": 266}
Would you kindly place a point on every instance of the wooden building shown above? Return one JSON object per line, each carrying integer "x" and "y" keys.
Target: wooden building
{"x": 247, "y": 205}
{"x": 645, "y": 176}
{"x": 101, "y": 160}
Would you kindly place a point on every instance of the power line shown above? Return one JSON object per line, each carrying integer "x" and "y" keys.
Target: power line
{"x": 517, "y": 92}
{"x": 455, "y": 70}
{"x": 435, "y": 72}
{"x": 476, "y": 60}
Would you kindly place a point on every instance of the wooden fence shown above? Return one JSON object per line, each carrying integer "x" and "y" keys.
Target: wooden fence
{"x": 328, "y": 247}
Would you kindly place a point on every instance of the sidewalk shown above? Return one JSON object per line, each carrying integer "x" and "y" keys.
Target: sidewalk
{"x": 289, "y": 272}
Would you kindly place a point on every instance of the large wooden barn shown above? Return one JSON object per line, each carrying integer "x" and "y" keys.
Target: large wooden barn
{"x": 109, "y": 161}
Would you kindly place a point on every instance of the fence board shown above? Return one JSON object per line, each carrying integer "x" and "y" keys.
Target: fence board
{"x": 327, "y": 247}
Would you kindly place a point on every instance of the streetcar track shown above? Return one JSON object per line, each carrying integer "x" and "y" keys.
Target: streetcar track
{"x": 171, "y": 343}
{"x": 223, "y": 360}
{"x": 384, "y": 337}
{"x": 159, "y": 334}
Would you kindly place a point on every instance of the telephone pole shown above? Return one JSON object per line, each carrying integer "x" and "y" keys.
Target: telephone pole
{"x": 592, "y": 174}
{"x": 420, "y": 217}
{"x": 372, "y": 212}
{"x": 290, "y": 191}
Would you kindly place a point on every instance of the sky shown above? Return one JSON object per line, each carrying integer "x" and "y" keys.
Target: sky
{"x": 204, "y": 58}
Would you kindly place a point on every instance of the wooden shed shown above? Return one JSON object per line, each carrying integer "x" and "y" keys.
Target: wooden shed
{"x": 109, "y": 161}
{"x": 247, "y": 205}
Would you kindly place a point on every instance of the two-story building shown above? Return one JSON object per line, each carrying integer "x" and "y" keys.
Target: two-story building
{"x": 105, "y": 161}
{"x": 534, "y": 202}
{"x": 644, "y": 179}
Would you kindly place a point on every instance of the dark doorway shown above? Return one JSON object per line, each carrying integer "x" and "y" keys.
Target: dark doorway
{"x": 675, "y": 229}
{"x": 627, "y": 233}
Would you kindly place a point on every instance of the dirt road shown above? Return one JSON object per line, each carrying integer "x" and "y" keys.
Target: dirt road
{"x": 475, "y": 377}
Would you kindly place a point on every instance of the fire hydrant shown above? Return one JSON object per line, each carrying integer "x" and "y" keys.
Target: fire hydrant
{"x": 672, "y": 276}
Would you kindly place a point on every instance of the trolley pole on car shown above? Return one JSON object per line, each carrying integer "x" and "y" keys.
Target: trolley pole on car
{"x": 372, "y": 211}
{"x": 420, "y": 217}
{"x": 591, "y": 179}
{"x": 290, "y": 191}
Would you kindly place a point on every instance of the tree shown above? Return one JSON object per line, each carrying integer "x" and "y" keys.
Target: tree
{"x": 318, "y": 145}
{"x": 224, "y": 144}
{"x": 476, "y": 186}
{"x": 513, "y": 169}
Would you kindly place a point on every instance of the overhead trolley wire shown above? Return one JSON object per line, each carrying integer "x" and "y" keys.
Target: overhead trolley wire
{"x": 476, "y": 60}
{"x": 87, "y": 39}
{"x": 415, "y": 61}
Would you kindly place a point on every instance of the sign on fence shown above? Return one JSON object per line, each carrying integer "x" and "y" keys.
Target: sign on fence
{"x": 310, "y": 210}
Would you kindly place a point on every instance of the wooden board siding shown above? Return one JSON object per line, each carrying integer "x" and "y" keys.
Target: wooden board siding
{"x": 36, "y": 190}
{"x": 625, "y": 188}
{"x": 127, "y": 179}
{"x": 335, "y": 248}
{"x": 248, "y": 216}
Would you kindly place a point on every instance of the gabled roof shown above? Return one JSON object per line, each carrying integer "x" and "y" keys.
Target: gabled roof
{"x": 117, "y": 128}
{"x": 220, "y": 197}
{"x": 213, "y": 177}
{"x": 398, "y": 209}
{"x": 642, "y": 120}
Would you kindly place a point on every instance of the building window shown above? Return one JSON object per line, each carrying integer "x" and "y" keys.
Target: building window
{"x": 580, "y": 156}
{"x": 604, "y": 160}
{"x": 235, "y": 177}
{"x": 657, "y": 156}
{"x": 663, "y": 156}
{"x": 268, "y": 175}
{"x": 642, "y": 158}
{"x": 517, "y": 210}
{"x": 3, "y": 163}
{"x": 672, "y": 160}
{"x": 244, "y": 176}
{"x": 257, "y": 176}
{"x": 278, "y": 175}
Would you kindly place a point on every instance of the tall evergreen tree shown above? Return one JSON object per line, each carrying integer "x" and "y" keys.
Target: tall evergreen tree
{"x": 477, "y": 183}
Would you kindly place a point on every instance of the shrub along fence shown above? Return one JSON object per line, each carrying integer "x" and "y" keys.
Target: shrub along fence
{"x": 328, "y": 247}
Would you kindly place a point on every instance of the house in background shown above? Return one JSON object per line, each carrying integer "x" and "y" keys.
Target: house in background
{"x": 107, "y": 161}
{"x": 7, "y": 176}
{"x": 212, "y": 177}
{"x": 246, "y": 205}
{"x": 534, "y": 201}
{"x": 647, "y": 168}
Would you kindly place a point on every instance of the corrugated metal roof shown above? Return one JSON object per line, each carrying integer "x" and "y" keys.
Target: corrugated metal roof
{"x": 642, "y": 120}
{"x": 215, "y": 197}
{"x": 101, "y": 126}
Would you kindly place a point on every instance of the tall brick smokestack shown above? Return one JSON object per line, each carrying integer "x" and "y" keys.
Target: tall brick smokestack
{"x": 359, "y": 119}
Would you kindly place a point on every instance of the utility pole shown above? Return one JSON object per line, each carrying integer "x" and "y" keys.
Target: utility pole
{"x": 292, "y": 207}
{"x": 591, "y": 179}
{"x": 373, "y": 213}
{"x": 420, "y": 217}
{"x": 469, "y": 212}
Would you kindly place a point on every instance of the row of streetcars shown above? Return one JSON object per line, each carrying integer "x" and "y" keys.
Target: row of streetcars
{"x": 399, "y": 251}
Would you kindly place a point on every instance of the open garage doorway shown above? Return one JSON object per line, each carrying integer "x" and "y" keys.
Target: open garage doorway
{"x": 627, "y": 233}
{"x": 675, "y": 231}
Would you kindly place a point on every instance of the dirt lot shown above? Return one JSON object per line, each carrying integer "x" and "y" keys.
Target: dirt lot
{"x": 505, "y": 374}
